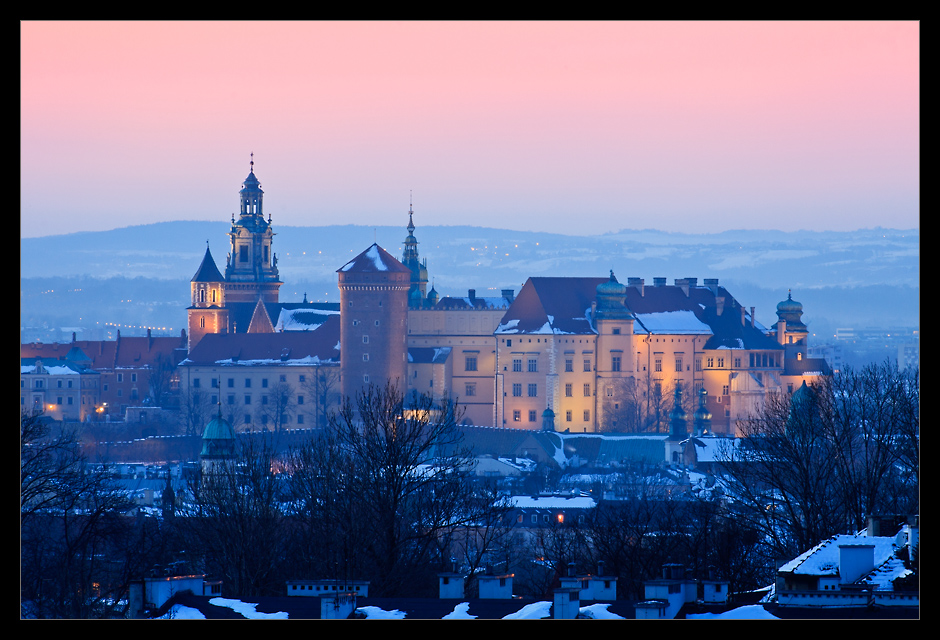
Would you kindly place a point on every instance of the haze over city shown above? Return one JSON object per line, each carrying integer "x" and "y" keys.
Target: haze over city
{"x": 568, "y": 127}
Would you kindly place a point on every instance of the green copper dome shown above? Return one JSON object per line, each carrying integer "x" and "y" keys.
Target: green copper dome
{"x": 218, "y": 438}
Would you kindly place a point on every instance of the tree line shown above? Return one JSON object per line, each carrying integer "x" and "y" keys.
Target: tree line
{"x": 385, "y": 492}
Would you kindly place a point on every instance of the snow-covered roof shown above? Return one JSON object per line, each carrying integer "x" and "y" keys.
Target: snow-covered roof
{"x": 553, "y": 502}
{"x": 302, "y": 319}
{"x": 823, "y": 559}
{"x": 374, "y": 259}
{"x": 682, "y": 322}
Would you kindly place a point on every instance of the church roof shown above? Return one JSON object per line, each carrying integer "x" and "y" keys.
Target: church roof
{"x": 287, "y": 348}
{"x": 553, "y": 306}
{"x": 375, "y": 259}
{"x": 286, "y": 316}
{"x": 124, "y": 352}
{"x": 208, "y": 271}
{"x": 564, "y": 306}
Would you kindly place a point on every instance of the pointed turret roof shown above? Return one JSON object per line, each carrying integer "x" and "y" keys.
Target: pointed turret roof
{"x": 207, "y": 271}
{"x": 374, "y": 259}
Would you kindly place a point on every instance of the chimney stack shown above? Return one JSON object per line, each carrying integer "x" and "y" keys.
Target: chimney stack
{"x": 683, "y": 283}
{"x": 752, "y": 316}
{"x": 638, "y": 283}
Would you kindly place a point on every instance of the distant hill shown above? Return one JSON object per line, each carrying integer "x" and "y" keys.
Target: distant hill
{"x": 868, "y": 277}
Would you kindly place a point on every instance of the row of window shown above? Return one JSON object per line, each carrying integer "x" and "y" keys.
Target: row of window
{"x": 230, "y": 382}
{"x": 546, "y": 518}
{"x": 616, "y": 363}
{"x": 264, "y": 399}
{"x": 533, "y": 415}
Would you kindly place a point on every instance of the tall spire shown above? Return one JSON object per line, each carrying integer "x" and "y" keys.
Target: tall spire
{"x": 419, "y": 269}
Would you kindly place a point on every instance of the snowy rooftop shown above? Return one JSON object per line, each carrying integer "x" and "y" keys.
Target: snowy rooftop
{"x": 553, "y": 502}
{"x": 823, "y": 559}
{"x": 684, "y": 321}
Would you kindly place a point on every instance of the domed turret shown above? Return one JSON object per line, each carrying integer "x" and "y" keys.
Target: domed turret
{"x": 218, "y": 439}
{"x": 612, "y": 299}
{"x": 548, "y": 419}
{"x": 791, "y": 312}
{"x": 702, "y": 418}
{"x": 677, "y": 417}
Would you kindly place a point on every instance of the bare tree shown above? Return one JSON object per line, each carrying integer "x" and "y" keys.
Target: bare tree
{"x": 381, "y": 485}
{"x": 76, "y": 549}
{"x": 277, "y": 406}
{"x": 322, "y": 387}
{"x": 235, "y": 520}
{"x": 820, "y": 462}
{"x": 641, "y": 404}
{"x": 160, "y": 378}
{"x": 195, "y": 409}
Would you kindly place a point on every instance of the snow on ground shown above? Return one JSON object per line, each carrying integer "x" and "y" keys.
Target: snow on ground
{"x": 534, "y": 611}
{"x": 599, "y": 612}
{"x": 180, "y": 612}
{"x": 247, "y": 609}
{"x": 460, "y": 612}
{"x": 746, "y": 612}
{"x": 375, "y": 613}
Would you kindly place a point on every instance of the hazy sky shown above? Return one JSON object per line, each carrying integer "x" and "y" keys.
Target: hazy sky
{"x": 574, "y": 127}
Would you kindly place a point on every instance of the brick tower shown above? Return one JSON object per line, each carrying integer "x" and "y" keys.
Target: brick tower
{"x": 374, "y": 307}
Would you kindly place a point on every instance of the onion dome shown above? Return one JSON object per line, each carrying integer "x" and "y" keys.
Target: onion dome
{"x": 702, "y": 418}
{"x": 548, "y": 419}
{"x": 677, "y": 417}
{"x": 790, "y": 311}
{"x": 612, "y": 299}
{"x": 218, "y": 438}
{"x": 801, "y": 402}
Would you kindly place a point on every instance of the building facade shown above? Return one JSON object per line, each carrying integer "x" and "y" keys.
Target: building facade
{"x": 576, "y": 354}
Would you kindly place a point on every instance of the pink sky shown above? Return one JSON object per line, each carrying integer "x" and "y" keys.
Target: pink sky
{"x": 573, "y": 127}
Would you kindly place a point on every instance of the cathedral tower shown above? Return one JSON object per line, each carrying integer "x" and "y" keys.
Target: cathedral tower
{"x": 207, "y": 312}
{"x": 251, "y": 266}
{"x": 419, "y": 270}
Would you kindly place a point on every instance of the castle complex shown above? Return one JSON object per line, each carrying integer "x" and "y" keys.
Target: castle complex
{"x": 566, "y": 353}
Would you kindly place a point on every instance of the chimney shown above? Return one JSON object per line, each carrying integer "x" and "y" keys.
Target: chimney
{"x": 719, "y": 304}
{"x": 855, "y": 560}
{"x": 472, "y": 294}
{"x": 683, "y": 283}
{"x": 636, "y": 282}
{"x": 509, "y": 294}
{"x": 752, "y": 316}
{"x": 659, "y": 282}
{"x": 712, "y": 283}
{"x": 743, "y": 321}
{"x": 692, "y": 282}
